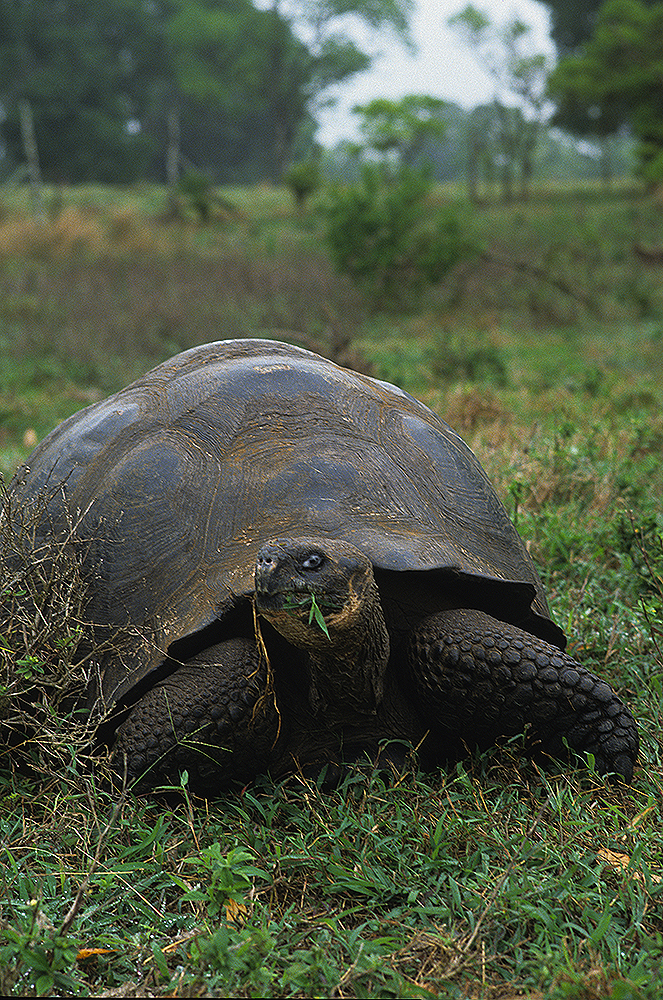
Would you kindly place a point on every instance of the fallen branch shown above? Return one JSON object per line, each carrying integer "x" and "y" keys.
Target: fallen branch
{"x": 534, "y": 271}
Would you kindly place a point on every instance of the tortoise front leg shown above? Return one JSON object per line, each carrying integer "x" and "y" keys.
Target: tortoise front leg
{"x": 482, "y": 679}
{"x": 209, "y": 717}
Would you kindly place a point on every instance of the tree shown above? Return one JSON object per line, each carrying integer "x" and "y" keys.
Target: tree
{"x": 303, "y": 83}
{"x": 104, "y": 89}
{"x": 618, "y": 78}
{"x": 480, "y": 148}
{"x": 211, "y": 107}
{"x": 401, "y": 128}
{"x": 237, "y": 92}
{"x": 108, "y": 92}
{"x": 505, "y": 52}
{"x": 75, "y": 67}
{"x": 216, "y": 51}
{"x": 573, "y": 22}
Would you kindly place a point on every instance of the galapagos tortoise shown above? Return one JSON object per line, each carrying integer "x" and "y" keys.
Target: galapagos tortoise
{"x": 302, "y": 565}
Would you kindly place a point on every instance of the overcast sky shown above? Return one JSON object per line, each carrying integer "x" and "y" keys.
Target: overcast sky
{"x": 441, "y": 66}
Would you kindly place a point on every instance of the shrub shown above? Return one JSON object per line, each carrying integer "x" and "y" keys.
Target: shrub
{"x": 303, "y": 179}
{"x": 195, "y": 189}
{"x": 196, "y": 195}
{"x": 388, "y": 240}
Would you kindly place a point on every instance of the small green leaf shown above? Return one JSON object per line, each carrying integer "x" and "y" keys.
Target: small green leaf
{"x": 316, "y": 613}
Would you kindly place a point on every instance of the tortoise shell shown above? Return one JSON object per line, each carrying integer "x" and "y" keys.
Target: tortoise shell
{"x": 176, "y": 481}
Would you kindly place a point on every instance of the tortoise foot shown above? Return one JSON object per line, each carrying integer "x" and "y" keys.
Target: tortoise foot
{"x": 483, "y": 679}
{"x": 205, "y": 718}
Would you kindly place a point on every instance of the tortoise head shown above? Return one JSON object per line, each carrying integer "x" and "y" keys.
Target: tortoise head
{"x": 321, "y": 595}
{"x": 313, "y": 590}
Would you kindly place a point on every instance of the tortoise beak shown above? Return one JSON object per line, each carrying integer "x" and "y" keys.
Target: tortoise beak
{"x": 269, "y": 568}
{"x": 275, "y": 576}
{"x": 265, "y": 568}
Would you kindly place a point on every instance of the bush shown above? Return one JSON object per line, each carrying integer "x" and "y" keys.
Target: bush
{"x": 196, "y": 195}
{"x": 386, "y": 237}
{"x": 303, "y": 179}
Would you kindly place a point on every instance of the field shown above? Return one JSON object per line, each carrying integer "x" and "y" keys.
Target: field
{"x": 494, "y": 880}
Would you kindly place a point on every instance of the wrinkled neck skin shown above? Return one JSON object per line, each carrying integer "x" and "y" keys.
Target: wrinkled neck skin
{"x": 347, "y": 669}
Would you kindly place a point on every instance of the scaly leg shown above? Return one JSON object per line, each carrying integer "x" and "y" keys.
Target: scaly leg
{"x": 483, "y": 679}
{"x": 206, "y": 717}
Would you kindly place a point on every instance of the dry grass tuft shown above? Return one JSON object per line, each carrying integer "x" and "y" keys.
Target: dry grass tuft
{"x": 74, "y": 233}
{"x": 470, "y": 408}
{"x": 42, "y": 619}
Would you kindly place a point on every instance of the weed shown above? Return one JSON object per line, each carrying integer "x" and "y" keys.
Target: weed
{"x": 33, "y": 954}
{"x": 226, "y": 879}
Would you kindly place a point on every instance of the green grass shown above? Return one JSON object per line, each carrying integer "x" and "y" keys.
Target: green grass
{"x": 493, "y": 880}
{"x": 459, "y": 885}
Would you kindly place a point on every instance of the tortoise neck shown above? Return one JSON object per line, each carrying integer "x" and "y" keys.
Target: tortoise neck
{"x": 348, "y": 671}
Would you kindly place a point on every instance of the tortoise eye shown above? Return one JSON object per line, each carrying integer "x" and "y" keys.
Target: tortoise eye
{"x": 313, "y": 561}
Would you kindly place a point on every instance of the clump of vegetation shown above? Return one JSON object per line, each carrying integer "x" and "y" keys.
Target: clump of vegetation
{"x": 386, "y": 236}
{"x": 196, "y": 195}
{"x": 303, "y": 179}
{"x": 42, "y": 621}
{"x": 75, "y": 232}
{"x": 470, "y": 358}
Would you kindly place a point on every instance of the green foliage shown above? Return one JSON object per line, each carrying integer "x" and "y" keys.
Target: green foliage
{"x": 401, "y": 127}
{"x": 296, "y": 81}
{"x": 572, "y": 22}
{"x": 303, "y": 179}
{"x": 652, "y": 166}
{"x": 84, "y": 72}
{"x": 226, "y": 876}
{"x": 616, "y": 77}
{"x": 316, "y": 615}
{"x": 105, "y": 84}
{"x": 34, "y": 953}
{"x": 369, "y": 889}
{"x": 197, "y": 194}
{"x": 387, "y": 238}
{"x": 505, "y": 51}
{"x": 304, "y": 601}
{"x": 324, "y": 15}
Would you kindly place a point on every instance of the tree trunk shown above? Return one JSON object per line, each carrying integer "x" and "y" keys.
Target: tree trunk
{"x": 473, "y": 174}
{"x": 606, "y": 162}
{"x": 31, "y": 155}
{"x": 173, "y": 155}
{"x": 526, "y": 173}
{"x": 507, "y": 183}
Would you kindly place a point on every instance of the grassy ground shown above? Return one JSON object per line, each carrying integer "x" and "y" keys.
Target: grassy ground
{"x": 491, "y": 881}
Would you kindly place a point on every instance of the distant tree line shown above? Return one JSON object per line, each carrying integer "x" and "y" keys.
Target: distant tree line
{"x": 609, "y": 75}
{"x": 133, "y": 89}
{"x": 126, "y": 88}
{"x": 486, "y": 148}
